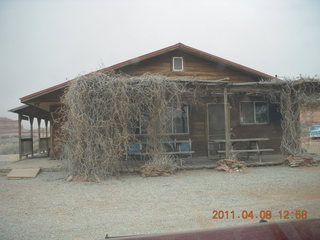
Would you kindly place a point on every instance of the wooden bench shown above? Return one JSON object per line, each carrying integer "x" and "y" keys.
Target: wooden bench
{"x": 175, "y": 143}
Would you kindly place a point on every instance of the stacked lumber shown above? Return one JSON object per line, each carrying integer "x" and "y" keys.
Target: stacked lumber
{"x": 231, "y": 165}
{"x": 151, "y": 171}
{"x": 297, "y": 161}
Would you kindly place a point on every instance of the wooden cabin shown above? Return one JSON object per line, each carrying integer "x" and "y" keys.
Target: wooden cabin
{"x": 237, "y": 112}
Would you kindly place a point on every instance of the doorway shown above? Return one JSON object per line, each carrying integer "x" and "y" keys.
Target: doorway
{"x": 215, "y": 126}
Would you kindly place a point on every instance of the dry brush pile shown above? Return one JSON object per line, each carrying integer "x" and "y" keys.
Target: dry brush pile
{"x": 99, "y": 112}
{"x": 295, "y": 97}
{"x": 231, "y": 166}
{"x": 297, "y": 161}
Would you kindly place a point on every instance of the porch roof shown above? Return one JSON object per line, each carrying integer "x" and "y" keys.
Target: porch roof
{"x": 31, "y": 111}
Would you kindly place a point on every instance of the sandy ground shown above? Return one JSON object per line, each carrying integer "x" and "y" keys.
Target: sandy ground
{"x": 12, "y": 161}
{"x": 48, "y": 207}
{"x": 311, "y": 146}
{"x": 8, "y": 159}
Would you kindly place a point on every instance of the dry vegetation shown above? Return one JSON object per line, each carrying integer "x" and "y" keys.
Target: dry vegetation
{"x": 100, "y": 114}
{"x": 294, "y": 98}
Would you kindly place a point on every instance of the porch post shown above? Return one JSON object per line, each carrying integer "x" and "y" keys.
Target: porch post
{"x": 20, "y": 145}
{"x": 227, "y": 123}
{"x": 31, "y": 133}
{"x": 51, "y": 139}
{"x": 46, "y": 123}
{"x": 39, "y": 123}
{"x": 47, "y": 141}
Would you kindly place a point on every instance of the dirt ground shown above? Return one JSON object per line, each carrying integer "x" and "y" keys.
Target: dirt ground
{"x": 311, "y": 146}
{"x": 48, "y": 207}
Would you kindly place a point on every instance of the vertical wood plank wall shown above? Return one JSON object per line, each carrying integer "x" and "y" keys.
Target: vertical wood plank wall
{"x": 199, "y": 68}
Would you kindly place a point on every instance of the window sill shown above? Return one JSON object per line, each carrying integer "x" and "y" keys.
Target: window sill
{"x": 164, "y": 134}
{"x": 250, "y": 124}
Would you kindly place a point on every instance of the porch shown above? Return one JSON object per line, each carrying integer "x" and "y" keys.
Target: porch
{"x": 193, "y": 163}
{"x": 27, "y": 143}
{"x": 8, "y": 162}
{"x": 223, "y": 122}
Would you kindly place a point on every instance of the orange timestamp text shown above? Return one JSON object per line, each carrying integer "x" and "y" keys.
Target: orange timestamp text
{"x": 262, "y": 214}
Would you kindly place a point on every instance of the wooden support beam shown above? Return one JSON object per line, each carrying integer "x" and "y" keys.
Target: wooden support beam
{"x": 227, "y": 123}
{"x": 39, "y": 134}
{"x": 24, "y": 117}
{"x": 48, "y": 142}
{"x": 31, "y": 133}
{"x": 19, "y": 126}
{"x": 50, "y": 152}
{"x": 46, "y": 124}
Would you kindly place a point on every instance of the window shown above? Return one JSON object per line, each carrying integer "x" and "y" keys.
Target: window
{"x": 177, "y": 64}
{"x": 140, "y": 126}
{"x": 254, "y": 113}
{"x": 176, "y": 120}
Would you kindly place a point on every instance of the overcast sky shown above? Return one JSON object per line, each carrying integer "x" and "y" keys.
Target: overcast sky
{"x": 43, "y": 43}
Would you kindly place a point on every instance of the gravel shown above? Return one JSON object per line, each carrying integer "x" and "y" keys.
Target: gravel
{"x": 48, "y": 207}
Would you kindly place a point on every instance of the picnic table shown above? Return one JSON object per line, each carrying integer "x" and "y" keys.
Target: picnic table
{"x": 251, "y": 146}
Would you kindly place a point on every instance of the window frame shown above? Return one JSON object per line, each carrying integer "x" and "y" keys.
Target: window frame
{"x": 254, "y": 113}
{"x": 173, "y": 128}
{"x": 173, "y": 65}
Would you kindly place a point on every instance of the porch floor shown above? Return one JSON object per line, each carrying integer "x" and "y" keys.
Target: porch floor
{"x": 8, "y": 162}
{"x": 207, "y": 163}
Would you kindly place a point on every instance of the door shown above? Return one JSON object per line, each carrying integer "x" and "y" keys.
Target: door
{"x": 216, "y": 127}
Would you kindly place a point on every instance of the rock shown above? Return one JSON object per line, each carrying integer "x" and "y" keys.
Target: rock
{"x": 69, "y": 179}
{"x": 231, "y": 165}
{"x": 76, "y": 178}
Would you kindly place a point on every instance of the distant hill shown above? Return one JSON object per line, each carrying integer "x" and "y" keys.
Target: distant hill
{"x": 9, "y": 128}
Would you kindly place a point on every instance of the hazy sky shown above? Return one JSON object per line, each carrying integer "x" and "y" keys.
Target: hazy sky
{"x": 43, "y": 43}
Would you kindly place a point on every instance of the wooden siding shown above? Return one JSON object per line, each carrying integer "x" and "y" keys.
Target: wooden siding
{"x": 198, "y": 126}
{"x": 198, "y": 68}
{"x": 194, "y": 68}
{"x": 271, "y": 130}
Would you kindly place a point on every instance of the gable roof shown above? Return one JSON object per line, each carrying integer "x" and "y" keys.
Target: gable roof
{"x": 178, "y": 46}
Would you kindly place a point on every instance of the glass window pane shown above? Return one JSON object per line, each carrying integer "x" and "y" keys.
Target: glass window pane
{"x": 246, "y": 112}
{"x": 177, "y": 64}
{"x": 261, "y": 112}
{"x": 134, "y": 127}
{"x": 144, "y": 123}
{"x": 183, "y": 147}
{"x": 167, "y": 120}
{"x": 180, "y": 119}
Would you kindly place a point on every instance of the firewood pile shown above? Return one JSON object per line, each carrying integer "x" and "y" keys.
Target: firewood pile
{"x": 152, "y": 171}
{"x": 297, "y": 161}
{"x": 231, "y": 166}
